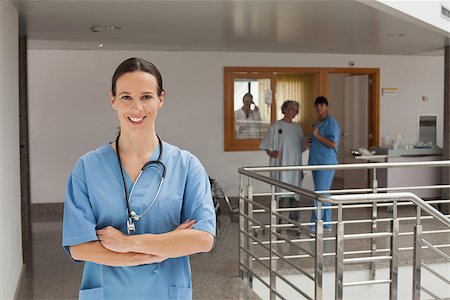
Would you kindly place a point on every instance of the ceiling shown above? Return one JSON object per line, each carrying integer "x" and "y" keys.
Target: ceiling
{"x": 217, "y": 25}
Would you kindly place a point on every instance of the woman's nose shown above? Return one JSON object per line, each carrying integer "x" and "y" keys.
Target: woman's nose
{"x": 136, "y": 104}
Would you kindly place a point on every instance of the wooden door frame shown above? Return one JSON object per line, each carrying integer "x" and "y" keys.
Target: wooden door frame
{"x": 374, "y": 98}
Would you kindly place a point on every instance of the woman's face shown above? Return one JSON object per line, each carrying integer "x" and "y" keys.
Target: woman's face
{"x": 137, "y": 101}
{"x": 291, "y": 112}
{"x": 247, "y": 102}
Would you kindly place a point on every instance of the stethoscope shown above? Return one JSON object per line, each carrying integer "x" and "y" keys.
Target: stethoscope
{"x": 132, "y": 215}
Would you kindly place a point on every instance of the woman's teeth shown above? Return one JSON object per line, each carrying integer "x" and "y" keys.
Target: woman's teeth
{"x": 136, "y": 119}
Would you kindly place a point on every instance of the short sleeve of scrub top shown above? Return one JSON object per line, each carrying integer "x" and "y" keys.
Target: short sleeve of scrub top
{"x": 77, "y": 211}
{"x": 332, "y": 131}
{"x": 197, "y": 199}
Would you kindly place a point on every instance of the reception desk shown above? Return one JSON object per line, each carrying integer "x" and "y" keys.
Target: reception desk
{"x": 409, "y": 176}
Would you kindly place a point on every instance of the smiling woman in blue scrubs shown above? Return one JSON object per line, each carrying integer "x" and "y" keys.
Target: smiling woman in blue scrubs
{"x": 135, "y": 230}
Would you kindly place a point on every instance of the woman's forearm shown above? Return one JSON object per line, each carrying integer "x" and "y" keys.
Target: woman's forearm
{"x": 96, "y": 253}
{"x": 172, "y": 244}
{"x": 326, "y": 141}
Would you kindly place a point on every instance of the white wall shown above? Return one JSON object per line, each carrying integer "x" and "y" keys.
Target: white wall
{"x": 69, "y": 111}
{"x": 10, "y": 226}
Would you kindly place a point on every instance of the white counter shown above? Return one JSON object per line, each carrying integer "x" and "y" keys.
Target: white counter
{"x": 410, "y": 176}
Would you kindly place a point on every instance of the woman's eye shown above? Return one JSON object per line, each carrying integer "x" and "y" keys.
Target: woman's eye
{"x": 126, "y": 97}
{"x": 146, "y": 97}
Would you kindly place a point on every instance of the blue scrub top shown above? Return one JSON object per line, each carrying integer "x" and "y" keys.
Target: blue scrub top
{"x": 319, "y": 153}
{"x": 95, "y": 199}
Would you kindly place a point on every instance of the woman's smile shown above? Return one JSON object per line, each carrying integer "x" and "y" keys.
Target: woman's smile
{"x": 136, "y": 120}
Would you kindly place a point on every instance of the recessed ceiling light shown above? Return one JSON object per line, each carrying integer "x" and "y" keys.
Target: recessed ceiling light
{"x": 113, "y": 27}
{"x": 108, "y": 28}
{"x": 396, "y": 34}
{"x": 101, "y": 45}
{"x": 96, "y": 29}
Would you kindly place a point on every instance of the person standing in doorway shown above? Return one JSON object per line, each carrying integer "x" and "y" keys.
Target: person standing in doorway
{"x": 323, "y": 145}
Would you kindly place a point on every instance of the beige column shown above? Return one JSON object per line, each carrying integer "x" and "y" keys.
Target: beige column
{"x": 446, "y": 155}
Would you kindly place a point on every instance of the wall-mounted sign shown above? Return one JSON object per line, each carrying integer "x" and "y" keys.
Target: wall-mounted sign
{"x": 389, "y": 91}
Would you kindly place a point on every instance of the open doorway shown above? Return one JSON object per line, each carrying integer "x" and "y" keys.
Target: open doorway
{"x": 350, "y": 97}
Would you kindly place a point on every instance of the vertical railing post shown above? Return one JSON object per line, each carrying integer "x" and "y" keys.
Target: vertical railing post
{"x": 394, "y": 253}
{"x": 243, "y": 272}
{"x": 339, "y": 264}
{"x": 417, "y": 258}
{"x": 373, "y": 243}
{"x": 319, "y": 253}
{"x": 273, "y": 263}
{"x": 250, "y": 230}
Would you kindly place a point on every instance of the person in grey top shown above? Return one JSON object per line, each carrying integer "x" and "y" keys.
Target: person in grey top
{"x": 285, "y": 143}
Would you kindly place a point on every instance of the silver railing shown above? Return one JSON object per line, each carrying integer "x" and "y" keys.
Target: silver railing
{"x": 268, "y": 249}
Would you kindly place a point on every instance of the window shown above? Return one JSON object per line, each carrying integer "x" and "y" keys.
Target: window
{"x": 252, "y": 107}
{"x": 253, "y": 97}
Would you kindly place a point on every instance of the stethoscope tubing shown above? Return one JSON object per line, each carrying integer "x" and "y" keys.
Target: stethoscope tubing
{"x": 132, "y": 214}
{"x": 154, "y": 200}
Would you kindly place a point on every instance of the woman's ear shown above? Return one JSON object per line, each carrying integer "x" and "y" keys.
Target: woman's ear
{"x": 161, "y": 98}
{"x": 113, "y": 100}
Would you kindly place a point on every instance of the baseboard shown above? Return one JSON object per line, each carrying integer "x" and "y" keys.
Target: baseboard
{"x": 19, "y": 282}
{"x": 45, "y": 212}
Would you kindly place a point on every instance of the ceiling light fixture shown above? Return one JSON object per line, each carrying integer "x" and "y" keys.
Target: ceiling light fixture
{"x": 113, "y": 27}
{"x": 96, "y": 29}
{"x": 101, "y": 45}
{"x": 396, "y": 34}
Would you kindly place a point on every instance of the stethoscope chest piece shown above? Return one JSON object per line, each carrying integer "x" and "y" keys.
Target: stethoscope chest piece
{"x": 131, "y": 228}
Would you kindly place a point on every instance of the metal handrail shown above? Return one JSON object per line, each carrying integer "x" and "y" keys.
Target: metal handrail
{"x": 419, "y": 202}
{"x": 435, "y": 249}
{"x": 356, "y": 198}
{"x": 338, "y": 202}
{"x": 287, "y": 186}
{"x": 440, "y": 163}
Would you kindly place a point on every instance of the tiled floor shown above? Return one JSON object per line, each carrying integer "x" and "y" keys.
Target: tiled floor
{"x": 53, "y": 275}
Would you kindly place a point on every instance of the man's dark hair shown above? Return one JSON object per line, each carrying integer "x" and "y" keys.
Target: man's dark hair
{"x": 321, "y": 100}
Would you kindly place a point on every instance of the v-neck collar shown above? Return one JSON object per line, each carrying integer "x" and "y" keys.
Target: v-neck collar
{"x": 114, "y": 167}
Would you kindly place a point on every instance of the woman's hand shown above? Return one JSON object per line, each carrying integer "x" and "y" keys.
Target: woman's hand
{"x": 186, "y": 225}
{"x": 273, "y": 154}
{"x": 159, "y": 259}
{"x": 113, "y": 239}
{"x": 155, "y": 259}
{"x": 315, "y": 132}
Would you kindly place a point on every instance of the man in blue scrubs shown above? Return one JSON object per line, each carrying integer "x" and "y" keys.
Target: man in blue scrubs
{"x": 323, "y": 146}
